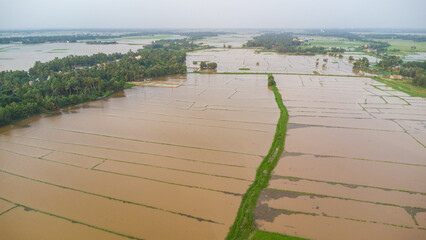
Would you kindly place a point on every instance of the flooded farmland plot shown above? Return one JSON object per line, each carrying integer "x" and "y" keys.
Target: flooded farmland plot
{"x": 232, "y": 40}
{"x": 147, "y": 163}
{"x": 248, "y": 61}
{"x": 354, "y": 162}
{"x": 173, "y": 157}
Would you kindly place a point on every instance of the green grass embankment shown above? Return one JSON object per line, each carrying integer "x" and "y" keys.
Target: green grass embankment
{"x": 244, "y": 225}
{"x": 403, "y": 86}
{"x": 262, "y": 235}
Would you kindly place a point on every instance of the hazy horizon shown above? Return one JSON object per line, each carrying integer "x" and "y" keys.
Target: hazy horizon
{"x": 220, "y": 14}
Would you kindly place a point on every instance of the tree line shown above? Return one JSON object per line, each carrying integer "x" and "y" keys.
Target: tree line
{"x": 284, "y": 43}
{"x": 365, "y": 36}
{"x": 65, "y": 38}
{"x": 77, "y": 37}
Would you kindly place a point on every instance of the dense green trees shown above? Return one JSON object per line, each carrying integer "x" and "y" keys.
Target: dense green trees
{"x": 203, "y": 65}
{"x": 361, "y": 64}
{"x": 271, "y": 80}
{"x": 101, "y": 42}
{"x": 415, "y": 38}
{"x": 74, "y": 79}
{"x": 210, "y": 65}
{"x": 415, "y": 70}
{"x": 388, "y": 62}
{"x": 200, "y": 35}
{"x": 102, "y": 35}
{"x": 68, "y": 38}
{"x": 380, "y": 47}
{"x": 284, "y": 43}
{"x": 420, "y": 78}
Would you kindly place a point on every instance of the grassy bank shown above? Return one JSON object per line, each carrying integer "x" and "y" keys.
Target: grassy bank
{"x": 128, "y": 85}
{"x": 262, "y": 235}
{"x": 404, "y": 86}
{"x": 244, "y": 225}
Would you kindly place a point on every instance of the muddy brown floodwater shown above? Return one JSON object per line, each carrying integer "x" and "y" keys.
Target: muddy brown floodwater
{"x": 156, "y": 162}
{"x": 354, "y": 165}
{"x": 149, "y": 163}
{"x": 248, "y": 61}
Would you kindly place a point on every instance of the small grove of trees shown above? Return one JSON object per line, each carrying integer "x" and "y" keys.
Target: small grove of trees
{"x": 361, "y": 64}
{"x": 271, "y": 80}
{"x": 420, "y": 78}
{"x": 388, "y": 62}
{"x": 415, "y": 70}
{"x": 210, "y": 65}
{"x": 284, "y": 43}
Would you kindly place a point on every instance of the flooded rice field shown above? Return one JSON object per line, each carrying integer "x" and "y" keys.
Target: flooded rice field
{"x": 148, "y": 163}
{"x": 233, "y": 40}
{"x": 174, "y": 156}
{"x": 248, "y": 61}
{"x": 354, "y": 162}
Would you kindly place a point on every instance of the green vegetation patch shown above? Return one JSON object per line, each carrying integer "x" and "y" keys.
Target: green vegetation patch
{"x": 244, "y": 224}
{"x": 149, "y": 37}
{"x": 128, "y": 85}
{"x": 244, "y": 69}
{"x": 403, "y": 86}
{"x": 405, "y": 45}
{"x": 262, "y": 235}
{"x": 285, "y": 43}
{"x": 336, "y": 44}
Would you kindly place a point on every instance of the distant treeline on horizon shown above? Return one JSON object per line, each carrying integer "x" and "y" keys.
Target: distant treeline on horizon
{"x": 92, "y": 36}
{"x": 417, "y": 35}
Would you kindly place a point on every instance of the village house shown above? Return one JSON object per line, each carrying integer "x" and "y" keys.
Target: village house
{"x": 78, "y": 68}
{"x": 395, "y": 77}
{"x": 395, "y": 68}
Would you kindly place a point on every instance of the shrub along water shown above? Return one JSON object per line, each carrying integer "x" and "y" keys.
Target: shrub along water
{"x": 271, "y": 80}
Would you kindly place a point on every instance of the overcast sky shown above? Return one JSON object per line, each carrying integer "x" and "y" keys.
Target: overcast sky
{"x": 45, "y": 14}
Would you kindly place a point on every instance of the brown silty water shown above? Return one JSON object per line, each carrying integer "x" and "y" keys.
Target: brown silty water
{"x": 154, "y": 162}
{"x": 354, "y": 165}
{"x": 248, "y": 61}
{"x": 149, "y": 163}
